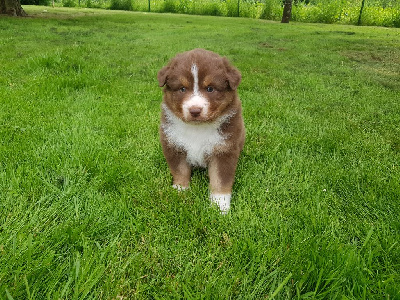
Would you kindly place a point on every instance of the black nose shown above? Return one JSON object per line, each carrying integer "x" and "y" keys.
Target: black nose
{"x": 195, "y": 111}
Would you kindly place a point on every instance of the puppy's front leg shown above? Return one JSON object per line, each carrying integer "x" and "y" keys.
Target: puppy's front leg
{"x": 222, "y": 175}
{"x": 179, "y": 167}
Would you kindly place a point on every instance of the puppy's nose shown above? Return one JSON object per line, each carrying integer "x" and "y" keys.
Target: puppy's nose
{"x": 195, "y": 111}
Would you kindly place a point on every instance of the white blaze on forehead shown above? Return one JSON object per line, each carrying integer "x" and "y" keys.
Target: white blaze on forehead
{"x": 196, "y": 99}
{"x": 195, "y": 73}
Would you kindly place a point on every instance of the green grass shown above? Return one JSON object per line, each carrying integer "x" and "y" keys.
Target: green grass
{"x": 86, "y": 206}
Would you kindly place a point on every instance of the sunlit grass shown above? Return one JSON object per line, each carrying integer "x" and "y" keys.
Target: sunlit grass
{"x": 86, "y": 207}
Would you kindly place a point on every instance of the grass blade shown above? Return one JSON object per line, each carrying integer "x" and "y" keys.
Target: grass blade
{"x": 9, "y": 297}
{"x": 370, "y": 232}
{"x": 27, "y": 287}
{"x": 281, "y": 285}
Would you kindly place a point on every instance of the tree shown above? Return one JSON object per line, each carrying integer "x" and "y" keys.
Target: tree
{"x": 12, "y": 8}
{"x": 287, "y": 11}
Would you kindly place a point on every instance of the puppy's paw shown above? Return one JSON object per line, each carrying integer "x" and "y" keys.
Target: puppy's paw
{"x": 223, "y": 201}
{"x": 180, "y": 188}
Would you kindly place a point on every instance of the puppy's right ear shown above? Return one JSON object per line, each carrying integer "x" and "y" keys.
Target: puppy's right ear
{"x": 162, "y": 76}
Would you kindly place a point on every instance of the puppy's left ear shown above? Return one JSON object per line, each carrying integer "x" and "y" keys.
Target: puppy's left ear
{"x": 162, "y": 76}
{"x": 233, "y": 75}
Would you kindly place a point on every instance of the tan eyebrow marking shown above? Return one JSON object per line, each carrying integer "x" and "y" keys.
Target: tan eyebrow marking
{"x": 184, "y": 81}
{"x": 207, "y": 80}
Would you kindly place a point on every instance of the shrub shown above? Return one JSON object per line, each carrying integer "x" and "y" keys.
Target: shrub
{"x": 211, "y": 9}
{"x": 376, "y": 12}
{"x": 272, "y": 10}
{"x": 121, "y": 5}
{"x": 396, "y": 17}
{"x": 35, "y": 2}
{"x": 379, "y": 16}
{"x": 169, "y": 6}
{"x": 330, "y": 12}
{"x": 232, "y": 8}
{"x": 184, "y": 7}
{"x": 318, "y": 12}
{"x": 69, "y": 3}
{"x": 94, "y": 4}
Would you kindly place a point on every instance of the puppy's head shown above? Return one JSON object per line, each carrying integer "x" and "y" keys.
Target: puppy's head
{"x": 199, "y": 85}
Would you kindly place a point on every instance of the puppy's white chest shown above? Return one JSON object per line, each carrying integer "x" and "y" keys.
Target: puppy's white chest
{"x": 197, "y": 140}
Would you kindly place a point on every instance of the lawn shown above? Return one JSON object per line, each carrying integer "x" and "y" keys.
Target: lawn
{"x": 86, "y": 204}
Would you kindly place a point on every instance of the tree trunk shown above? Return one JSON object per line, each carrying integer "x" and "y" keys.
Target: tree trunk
{"x": 361, "y": 11}
{"x": 12, "y": 8}
{"x": 287, "y": 11}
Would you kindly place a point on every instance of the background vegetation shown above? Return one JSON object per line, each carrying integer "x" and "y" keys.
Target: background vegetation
{"x": 86, "y": 204}
{"x": 375, "y": 13}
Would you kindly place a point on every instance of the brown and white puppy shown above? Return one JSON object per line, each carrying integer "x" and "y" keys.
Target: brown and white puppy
{"x": 201, "y": 120}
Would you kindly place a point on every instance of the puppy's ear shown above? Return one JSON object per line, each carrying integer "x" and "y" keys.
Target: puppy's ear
{"x": 233, "y": 75}
{"x": 162, "y": 76}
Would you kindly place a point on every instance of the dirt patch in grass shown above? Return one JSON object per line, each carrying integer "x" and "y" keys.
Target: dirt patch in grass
{"x": 64, "y": 12}
{"x": 389, "y": 56}
{"x": 383, "y": 66}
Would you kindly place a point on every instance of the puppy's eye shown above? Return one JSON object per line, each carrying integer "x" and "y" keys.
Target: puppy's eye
{"x": 210, "y": 89}
{"x": 182, "y": 89}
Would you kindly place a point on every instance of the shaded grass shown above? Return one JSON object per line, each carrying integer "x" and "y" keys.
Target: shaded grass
{"x": 86, "y": 208}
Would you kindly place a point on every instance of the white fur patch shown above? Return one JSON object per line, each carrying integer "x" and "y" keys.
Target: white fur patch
{"x": 198, "y": 140}
{"x": 195, "y": 73}
{"x": 223, "y": 201}
{"x": 179, "y": 187}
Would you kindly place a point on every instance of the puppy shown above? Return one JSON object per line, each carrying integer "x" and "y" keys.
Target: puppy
{"x": 201, "y": 120}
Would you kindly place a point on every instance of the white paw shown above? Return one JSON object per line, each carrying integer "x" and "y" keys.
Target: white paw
{"x": 223, "y": 201}
{"x": 179, "y": 187}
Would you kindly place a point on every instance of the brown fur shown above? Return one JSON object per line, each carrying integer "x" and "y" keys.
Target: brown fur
{"x": 216, "y": 72}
